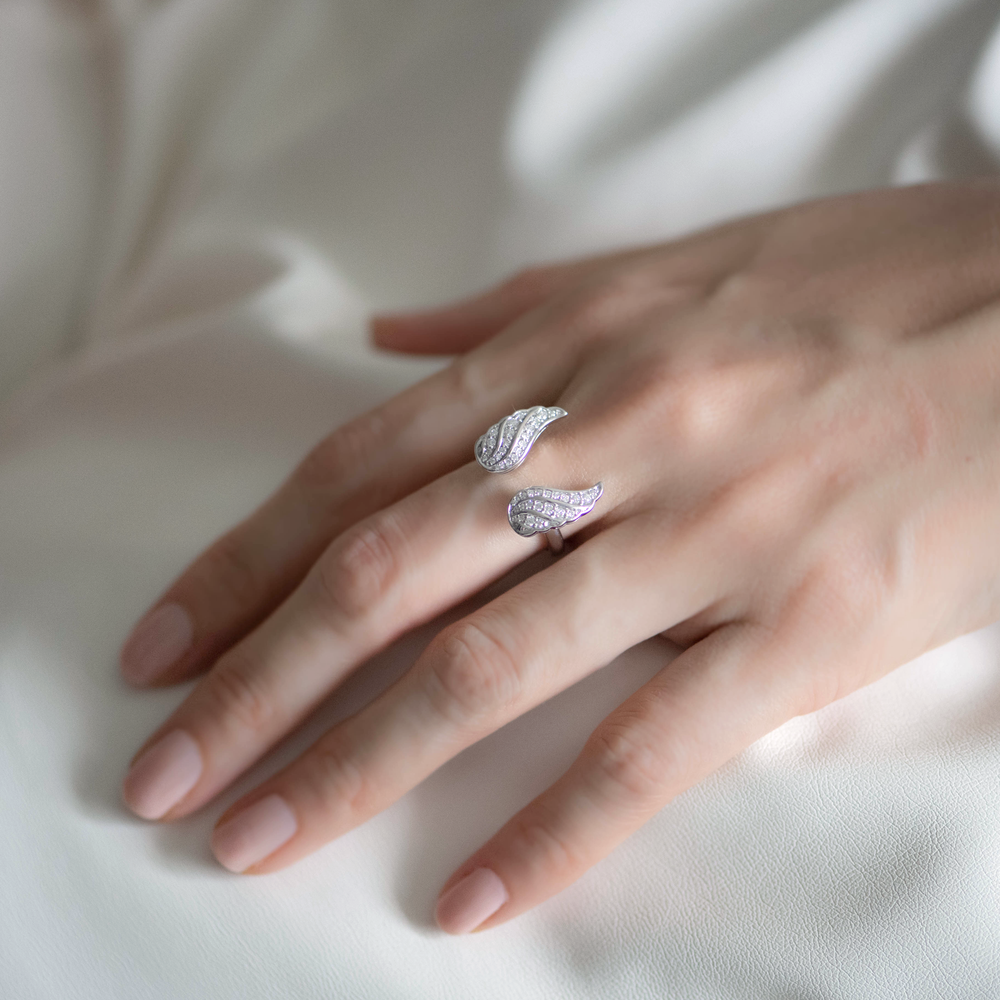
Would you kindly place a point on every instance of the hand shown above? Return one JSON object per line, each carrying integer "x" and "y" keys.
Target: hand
{"x": 796, "y": 419}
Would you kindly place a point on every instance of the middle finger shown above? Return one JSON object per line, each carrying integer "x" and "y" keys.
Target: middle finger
{"x": 385, "y": 575}
{"x": 525, "y": 646}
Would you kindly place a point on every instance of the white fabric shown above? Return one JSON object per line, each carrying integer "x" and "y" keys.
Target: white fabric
{"x": 199, "y": 199}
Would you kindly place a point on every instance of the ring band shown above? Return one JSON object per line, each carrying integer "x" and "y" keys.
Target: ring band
{"x": 507, "y": 443}
{"x": 555, "y": 540}
{"x": 542, "y": 510}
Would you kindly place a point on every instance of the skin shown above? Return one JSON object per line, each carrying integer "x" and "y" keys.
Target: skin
{"x": 796, "y": 418}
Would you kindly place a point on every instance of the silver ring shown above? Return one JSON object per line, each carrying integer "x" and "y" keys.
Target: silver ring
{"x": 507, "y": 443}
{"x": 542, "y": 510}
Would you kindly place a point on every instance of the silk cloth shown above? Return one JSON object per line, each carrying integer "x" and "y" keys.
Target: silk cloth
{"x": 200, "y": 200}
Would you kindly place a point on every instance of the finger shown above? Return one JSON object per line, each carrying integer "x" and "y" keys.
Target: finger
{"x": 709, "y": 704}
{"x": 537, "y": 639}
{"x": 697, "y": 264}
{"x": 385, "y": 454}
{"x": 364, "y": 466}
{"x": 390, "y": 572}
{"x": 460, "y": 326}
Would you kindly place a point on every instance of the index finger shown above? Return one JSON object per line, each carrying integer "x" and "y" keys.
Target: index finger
{"x": 369, "y": 463}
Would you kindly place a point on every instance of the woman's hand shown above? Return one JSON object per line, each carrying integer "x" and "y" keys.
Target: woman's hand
{"x": 796, "y": 419}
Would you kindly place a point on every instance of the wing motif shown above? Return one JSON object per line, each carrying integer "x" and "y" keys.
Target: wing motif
{"x": 538, "y": 508}
{"x": 507, "y": 443}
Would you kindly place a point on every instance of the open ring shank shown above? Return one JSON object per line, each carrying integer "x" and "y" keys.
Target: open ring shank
{"x": 556, "y": 541}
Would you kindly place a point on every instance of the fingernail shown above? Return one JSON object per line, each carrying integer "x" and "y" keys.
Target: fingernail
{"x": 156, "y": 642}
{"x": 163, "y": 775}
{"x": 476, "y": 898}
{"x": 250, "y": 836}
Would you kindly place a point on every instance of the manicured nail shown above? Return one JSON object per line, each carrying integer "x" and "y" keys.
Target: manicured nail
{"x": 250, "y": 836}
{"x": 163, "y": 775}
{"x": 156, "y": 643}
{"x": 476, "y": 898}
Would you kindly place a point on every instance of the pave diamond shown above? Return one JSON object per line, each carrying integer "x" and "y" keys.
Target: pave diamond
{"x": 537, "y": 509}
{"x": 507, "y": 443}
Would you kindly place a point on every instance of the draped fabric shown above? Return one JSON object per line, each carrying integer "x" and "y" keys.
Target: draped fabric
{"x": 200, "y": 201}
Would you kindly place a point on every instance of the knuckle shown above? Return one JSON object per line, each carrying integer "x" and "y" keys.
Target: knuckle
{"x": 235, "y": 695}
{"x": 855, "y": 578}
{"x": 746, "y": 288}
{"x": 361, "y": 566}
{"x": 689, "y": 410}
{"x": 332, "y": 780}
{"x": 702, "y": 401}
{"x": 534, "y": 837}
{"x": 694, "y": 405}
{"x": 228, "y": 570}
{"x": 592, "y": 309}
{"x": 599, "y": 306}
{"x": 469, "y": 380}
{"x": 473, "y": 674}
{"x": 628, "y": 764}
{"x": 341, "y": 456}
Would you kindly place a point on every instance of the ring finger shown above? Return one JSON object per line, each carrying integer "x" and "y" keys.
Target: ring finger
{"x": 385, "y": 575}
{"x": 528, "y": 644}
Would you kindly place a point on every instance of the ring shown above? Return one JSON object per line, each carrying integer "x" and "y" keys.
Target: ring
{"x": 539, "y": 509}
{"x": 507, "y": 443}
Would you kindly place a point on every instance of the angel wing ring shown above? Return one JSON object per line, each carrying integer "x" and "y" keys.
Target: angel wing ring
{"x": 540, "y": 509}
{"x": 507, "y": 443}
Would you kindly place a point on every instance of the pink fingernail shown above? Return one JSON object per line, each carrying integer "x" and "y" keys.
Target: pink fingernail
{"x": 476, "y": 898}
{"x": 250, "y": 836}
{"x": 163, "y": 775}
{"x": 156, "y": 642}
